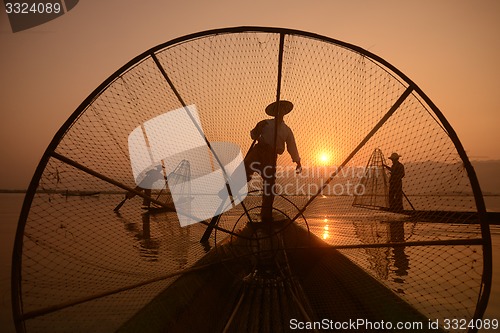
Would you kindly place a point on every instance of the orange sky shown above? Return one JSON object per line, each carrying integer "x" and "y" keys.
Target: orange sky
{"x": 449, "y": 48}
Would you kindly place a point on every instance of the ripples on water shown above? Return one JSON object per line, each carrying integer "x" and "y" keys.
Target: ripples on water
{"x": 396, "y": 267}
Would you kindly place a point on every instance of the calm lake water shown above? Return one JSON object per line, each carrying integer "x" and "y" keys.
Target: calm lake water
{"x": 10, "y": 206}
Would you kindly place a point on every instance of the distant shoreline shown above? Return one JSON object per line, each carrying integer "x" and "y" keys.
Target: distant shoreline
{"x": 12, "y": 191}
{"x": 7, "y": 191}
{"x": 65, "y": 192}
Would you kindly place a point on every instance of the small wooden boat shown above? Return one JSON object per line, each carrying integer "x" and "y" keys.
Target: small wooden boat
{"x": 322, "y": 261}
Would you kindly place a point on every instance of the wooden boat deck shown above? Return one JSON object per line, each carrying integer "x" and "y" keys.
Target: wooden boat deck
{"x": 309, "y": 283}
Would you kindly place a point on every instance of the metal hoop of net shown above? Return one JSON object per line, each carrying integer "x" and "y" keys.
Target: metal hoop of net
{"x": 88, "y": 258}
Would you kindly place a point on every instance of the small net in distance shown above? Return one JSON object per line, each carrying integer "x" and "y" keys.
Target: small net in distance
{"x": 76, "y": 258}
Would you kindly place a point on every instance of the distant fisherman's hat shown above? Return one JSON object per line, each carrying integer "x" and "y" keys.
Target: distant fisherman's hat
{"x": 284, "y": 108}
{"x": 394, "y": 156}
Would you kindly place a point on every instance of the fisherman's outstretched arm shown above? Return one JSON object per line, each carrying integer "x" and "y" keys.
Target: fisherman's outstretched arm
{"x": 291, "y": 146}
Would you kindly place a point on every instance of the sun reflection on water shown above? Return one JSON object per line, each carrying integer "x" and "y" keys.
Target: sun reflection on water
{"x": 326, "y": 233}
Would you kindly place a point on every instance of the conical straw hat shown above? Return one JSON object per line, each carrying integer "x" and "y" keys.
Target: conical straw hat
{"x": 284, "y": 108}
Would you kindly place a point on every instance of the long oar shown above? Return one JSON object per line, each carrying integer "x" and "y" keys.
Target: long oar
{"x": 213, "y": 222}
{"x": 117, "y": 208}
{"x": 408, "y": 200}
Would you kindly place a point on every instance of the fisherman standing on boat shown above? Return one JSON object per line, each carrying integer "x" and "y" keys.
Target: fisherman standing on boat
{"x": 146, "y": 185}
{"x": 396, "y": 183}
{"x": 262, "y": 159}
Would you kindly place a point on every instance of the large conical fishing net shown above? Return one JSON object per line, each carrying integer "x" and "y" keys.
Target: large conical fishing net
{"x": 81, "y": 265}
{"x": 374, "y": 184}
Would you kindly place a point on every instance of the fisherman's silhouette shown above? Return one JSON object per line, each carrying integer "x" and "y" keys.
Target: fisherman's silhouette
{"x": 262, "y": 159}
{"x": 146, "y": 185}
{"x": 396, "y": 183}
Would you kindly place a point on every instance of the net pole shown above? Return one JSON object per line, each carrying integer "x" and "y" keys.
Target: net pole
{"x": 215, "y": 219}
{"x": 181, "y": 100}
{"x": 98, "y": 175}
{"x": 267, "y": 210}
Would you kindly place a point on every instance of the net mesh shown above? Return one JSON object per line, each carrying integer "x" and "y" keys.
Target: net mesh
{"x": 85, "y": 267}
{"x": 374, "y": 184}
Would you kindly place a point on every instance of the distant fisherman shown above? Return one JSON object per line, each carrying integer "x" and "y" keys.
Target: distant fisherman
{"x": 146, "y": 185}
{"x": 260, "y": 158}
{"x": 396, "y": 183}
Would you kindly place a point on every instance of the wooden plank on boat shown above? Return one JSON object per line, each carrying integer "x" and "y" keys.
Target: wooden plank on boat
{"x": 331, "y": 285}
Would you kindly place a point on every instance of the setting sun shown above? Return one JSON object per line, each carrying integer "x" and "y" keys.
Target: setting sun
{"x": 324, "y": 158}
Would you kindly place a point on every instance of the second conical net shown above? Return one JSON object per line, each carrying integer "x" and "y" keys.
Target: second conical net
{"x": 373, "y": 187}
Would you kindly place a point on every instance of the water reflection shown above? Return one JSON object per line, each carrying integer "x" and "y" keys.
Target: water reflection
{"x": 148, "y": 247}
{"x": 175, "y": 238}
{"x": 400, "y": 258}
{"x": 158, "y": 236}
{"x": 388, "y": 263}
{"x": 326, "y": 233}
